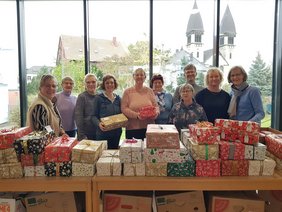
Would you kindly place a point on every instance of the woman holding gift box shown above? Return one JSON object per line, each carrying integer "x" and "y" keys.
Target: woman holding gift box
{"x": 164, "y": 99}
{"x": 187, "y": 111}
{"x": 133, "y": 100}
{"x": 213, "y": 99}
{"x": 43, "y": 111}
{"x": 85, "y": 111}
{"x": 246, "y": 103}
{"x": 107, "y": 104}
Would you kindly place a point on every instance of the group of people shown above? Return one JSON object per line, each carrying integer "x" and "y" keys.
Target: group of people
{"x": 80, "y": 116}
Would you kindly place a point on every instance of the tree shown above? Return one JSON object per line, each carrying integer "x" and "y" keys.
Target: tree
{"x": 260, "y": 75}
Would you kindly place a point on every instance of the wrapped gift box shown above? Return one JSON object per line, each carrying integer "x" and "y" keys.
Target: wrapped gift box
{"x": 231, "y": 150}
{"x": 248, "y": 137}
{"x": 83, "y": 169}
{"x": 134, "y": 169}
{"x": 255, "y": 152}
{"x": 110, "y": 153}
{"x": 207, "y": 168}
{"x": 63, "y": 169}
{"x": 108, "y": 166}
{"x": 184, "y": 169}
{"x": 8, "y": 156}
{"x": 131, "y": 151}
{"x": 147, "y": 112}
{"x": 34, "y": 171}
{"x": 234, "y": 167}
{"x": 32, "y": 160}
{"x": 60, "y": 149}
{"x": 11, "y": 170}
{"x": 185, "y": 137}
{"x": 204, "y": 134}
{"x": 114, "y": 121}
{"x": 163, "y": 136}
{"x": 87, "y": 151}
{"x": 274, "y": 144}
{"x": 8, "y": 136}
{"x": 276, "y": 159}
{"x": 156, "y": 169}
{"x": 261, "y": 167}
{"x": 234, "y": 125}
{"x": 155, "y": 155}
{"x": 203, "y": 151}
{"x": 33, "y": 143}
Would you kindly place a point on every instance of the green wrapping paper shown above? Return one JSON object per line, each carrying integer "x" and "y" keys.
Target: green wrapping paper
{"x": 185, "y": 169}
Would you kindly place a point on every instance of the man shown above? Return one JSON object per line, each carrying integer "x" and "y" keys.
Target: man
{"x": 190, "y": 73}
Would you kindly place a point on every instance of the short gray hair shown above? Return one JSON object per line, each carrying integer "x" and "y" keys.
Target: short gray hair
{"x": 186, "y": 85}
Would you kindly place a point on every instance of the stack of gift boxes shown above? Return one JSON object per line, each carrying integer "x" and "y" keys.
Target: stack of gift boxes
{"x": 85, "y": 155}
{"x": 164, "y": 154}
{"x": 10, "y": 167}
{"x": 274, "y": 148}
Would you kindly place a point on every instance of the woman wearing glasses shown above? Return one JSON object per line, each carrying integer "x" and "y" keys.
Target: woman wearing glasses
{"x": 164, "y": 99}
{"x": 246, "y": 103}
{"x": 187, "y": 111}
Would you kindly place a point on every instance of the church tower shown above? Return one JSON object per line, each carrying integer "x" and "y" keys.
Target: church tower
{"x": 194, "y": 34}
{"x": 227, "y": 36}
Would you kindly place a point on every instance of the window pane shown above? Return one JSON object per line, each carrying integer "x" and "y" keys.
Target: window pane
{"x": 9, "y": 80}
{"x": 54, "y": 42}
{"x": 247, "y": 40}
{"x": 183, "y": 33}
{"x": 119, "y": 38}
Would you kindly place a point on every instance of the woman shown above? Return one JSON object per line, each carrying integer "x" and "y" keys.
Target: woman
{"x": 85, "y": 111}
{"x": 43, "y": 111}
{"x": 107, "y": 104}
{"x": 246, "y": 103}
{"x": 66, "y": 104}
{"x": 187, "y": 111}
{"x": 133, "y": 99}
{"x": 213, "y": 99}
{"x": 163, "y": 98}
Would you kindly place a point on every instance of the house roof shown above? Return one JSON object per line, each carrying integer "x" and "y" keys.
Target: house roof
{"x": 73, "y": 48}
{"x": 195, "y": 23}
{"x": 227, "y": 25}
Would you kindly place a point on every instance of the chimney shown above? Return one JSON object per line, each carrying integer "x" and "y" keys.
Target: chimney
{"x": 115, "y": 41}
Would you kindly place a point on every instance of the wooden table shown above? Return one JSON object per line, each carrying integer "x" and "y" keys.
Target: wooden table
{"x": 180, "y": 183}
{"x": 60, "y": 184}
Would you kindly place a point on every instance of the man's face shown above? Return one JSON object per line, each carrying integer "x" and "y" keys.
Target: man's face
{"x": 190, "y": 75}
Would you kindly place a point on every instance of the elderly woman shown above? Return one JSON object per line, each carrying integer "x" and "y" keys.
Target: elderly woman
{"x": 213, "y": 99}
{"x": 107, "y": 104}
{"x": 164, "y": 99}
{"x": 85, "y": 109}
{"x": 246, "y": 103}
{"x": 66, "y": 104}
{"x": 187, "y": 111}
{"x": 133, "y": 99}
{"x": 43, "y": 111}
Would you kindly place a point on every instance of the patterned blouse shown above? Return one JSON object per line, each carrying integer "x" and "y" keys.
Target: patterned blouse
{"x": 181, "y": 116}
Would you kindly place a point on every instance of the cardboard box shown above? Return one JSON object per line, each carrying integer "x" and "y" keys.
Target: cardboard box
{"x": 273, "y": 200}
{"x": 11, "y": 205}
{"x": 114, "y": 121}
{"x": 55, "y": 202}
{"x": 179, "y": 202}
{"x": 125, "y": 203}
{"x": 234, "y": 201}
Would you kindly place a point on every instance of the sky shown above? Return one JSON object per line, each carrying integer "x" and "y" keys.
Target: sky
{"x": 129, "y": 22}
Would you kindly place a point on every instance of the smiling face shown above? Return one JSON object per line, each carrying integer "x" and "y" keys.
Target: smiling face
{"x": 214, "y": 79}
{"x": 90, "y": 84}
{"x": 139, "y": 77}
{"x": 157, "y": 85}
{"x": 236, "y": 77}
{"x": 186, "y": 93}
{"x": 190, "y": 75}
{"x": 67, "y": 86}
{"x": 48, "y": 88}
{"x": 109, "y": 85}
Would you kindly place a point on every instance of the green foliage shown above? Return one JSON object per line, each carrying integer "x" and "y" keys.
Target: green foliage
{"x": 14, "y": 115}
{"x": 200, "y": 79}
{"x": 169, "y": 88}
{"x": 260, "y": 75}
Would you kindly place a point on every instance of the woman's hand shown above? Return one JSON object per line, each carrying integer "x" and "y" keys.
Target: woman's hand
{"x": 102, "y": 126}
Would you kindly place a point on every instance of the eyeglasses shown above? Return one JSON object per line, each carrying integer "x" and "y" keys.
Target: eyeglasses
{"x": 186, "y": 91}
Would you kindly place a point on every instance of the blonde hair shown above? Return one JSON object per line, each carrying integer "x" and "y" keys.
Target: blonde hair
{"x": 213, "y": 70}
{"x": 139, "y": 69}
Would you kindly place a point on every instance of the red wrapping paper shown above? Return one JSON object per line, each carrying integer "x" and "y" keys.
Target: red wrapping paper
{"x": 231, "y": 150}
{"x": 60, "y": 149}
{"x": 8, "y": 136}
{"x": 207, "y": 168}
{"x": 204, "y": 135}
{"x": 274, "y": 144}
{"x": 147, "y": 112}
{"x": 32, "y": 159}
{"x": 234, "y": 167}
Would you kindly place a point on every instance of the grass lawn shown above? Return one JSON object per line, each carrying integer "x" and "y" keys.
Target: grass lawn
{"x": 266, "y": 122}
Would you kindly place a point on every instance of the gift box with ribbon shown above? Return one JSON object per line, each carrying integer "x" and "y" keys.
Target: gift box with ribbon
{"x": 109, "y": 164}
{"x": 234, "y": 167}
{"x": 131, "y": 151}
{"x": 261, "y": 167}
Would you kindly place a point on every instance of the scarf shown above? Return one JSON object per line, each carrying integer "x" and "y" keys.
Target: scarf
{"x": 237, "y": 92}
{"x": 160, "y": 100}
